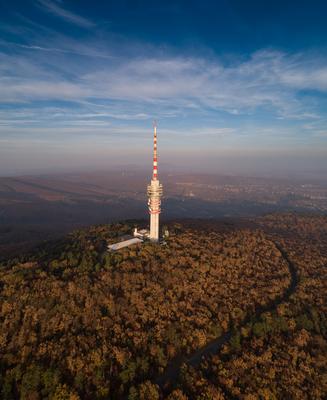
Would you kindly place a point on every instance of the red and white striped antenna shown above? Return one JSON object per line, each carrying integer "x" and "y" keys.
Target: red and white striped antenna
{"x": 155, "y": 157}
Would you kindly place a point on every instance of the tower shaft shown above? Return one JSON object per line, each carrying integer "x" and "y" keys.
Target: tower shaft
{"x": 154, "y": 194}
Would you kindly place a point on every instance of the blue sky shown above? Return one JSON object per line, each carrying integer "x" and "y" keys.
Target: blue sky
{"x": 235, "y": 86}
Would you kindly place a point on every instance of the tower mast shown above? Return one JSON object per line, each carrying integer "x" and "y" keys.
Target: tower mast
{"x": 154, "y": 193}
{"x": 155, "y": 155}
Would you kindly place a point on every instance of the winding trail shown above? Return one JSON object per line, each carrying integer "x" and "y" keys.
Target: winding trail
{"x": 167, "y": 380}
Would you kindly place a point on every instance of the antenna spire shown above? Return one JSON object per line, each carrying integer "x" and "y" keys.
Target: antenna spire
{"x": 155, "y": 157}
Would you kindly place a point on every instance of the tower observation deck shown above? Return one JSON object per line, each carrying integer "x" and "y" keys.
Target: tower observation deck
{"x": 154, "y": 194}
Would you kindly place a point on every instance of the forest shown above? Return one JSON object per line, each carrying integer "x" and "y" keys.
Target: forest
{"x": 78, "y": 322}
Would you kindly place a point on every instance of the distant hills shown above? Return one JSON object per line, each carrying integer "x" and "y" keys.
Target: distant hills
{"x": 33, "y": 208}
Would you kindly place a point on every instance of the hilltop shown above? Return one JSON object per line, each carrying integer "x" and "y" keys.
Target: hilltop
{"x": 226, "y": 309}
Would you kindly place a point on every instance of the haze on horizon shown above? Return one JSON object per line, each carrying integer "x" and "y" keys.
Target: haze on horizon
{"x": 236, "y": 87}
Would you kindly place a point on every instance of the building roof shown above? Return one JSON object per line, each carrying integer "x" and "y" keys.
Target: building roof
{"x": 124, "y": 243}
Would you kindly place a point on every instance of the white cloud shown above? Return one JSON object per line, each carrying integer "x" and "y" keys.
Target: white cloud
{"x": 109, "y": 84}
{"x": 306, "y": 78}
{"x": 55, "y": 8}
{"x": 36, "y": 90}
{"x": 322, "y": 134}
{"x": 266, "y": 79}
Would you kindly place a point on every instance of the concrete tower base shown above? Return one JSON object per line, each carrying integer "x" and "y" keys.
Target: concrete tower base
{"x": 154, "y": 228}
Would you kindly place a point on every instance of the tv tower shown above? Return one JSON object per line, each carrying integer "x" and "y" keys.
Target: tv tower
{"x": 154, "y": 193}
